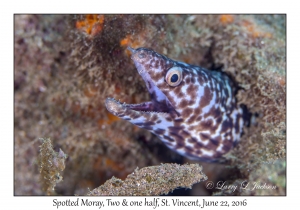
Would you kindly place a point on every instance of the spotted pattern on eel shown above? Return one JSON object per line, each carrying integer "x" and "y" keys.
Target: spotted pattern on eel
{"x": 192, "y": 110}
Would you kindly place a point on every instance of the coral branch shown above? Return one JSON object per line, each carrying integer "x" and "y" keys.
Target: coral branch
{"x": 51, "y": 164}
{"x": 153, "y": 180}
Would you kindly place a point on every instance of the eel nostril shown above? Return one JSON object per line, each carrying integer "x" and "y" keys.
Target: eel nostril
{"x": 131, "y": 49}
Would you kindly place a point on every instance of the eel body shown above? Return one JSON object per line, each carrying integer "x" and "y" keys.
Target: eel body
{"x": 192, "y": 110}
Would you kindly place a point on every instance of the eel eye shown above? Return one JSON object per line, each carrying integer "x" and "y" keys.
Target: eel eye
{"x": 174, "y": 76}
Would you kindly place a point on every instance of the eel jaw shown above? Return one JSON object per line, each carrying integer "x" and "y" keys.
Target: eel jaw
{"x": 123, "y": 110}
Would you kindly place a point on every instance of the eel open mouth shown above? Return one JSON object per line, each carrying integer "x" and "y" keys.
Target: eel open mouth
{"x": 122, "y": 109}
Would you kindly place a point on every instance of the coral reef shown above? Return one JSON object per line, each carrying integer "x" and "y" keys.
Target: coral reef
{"x": 66, "y": 65}
{"x": 272, "y": 184}
{"x": 153, "y": 180}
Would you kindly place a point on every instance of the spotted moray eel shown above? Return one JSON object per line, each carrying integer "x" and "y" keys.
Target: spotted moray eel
{"x": 192, "y": 110}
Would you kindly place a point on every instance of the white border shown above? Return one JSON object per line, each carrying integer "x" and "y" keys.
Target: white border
{"x": 153, "y": 6}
